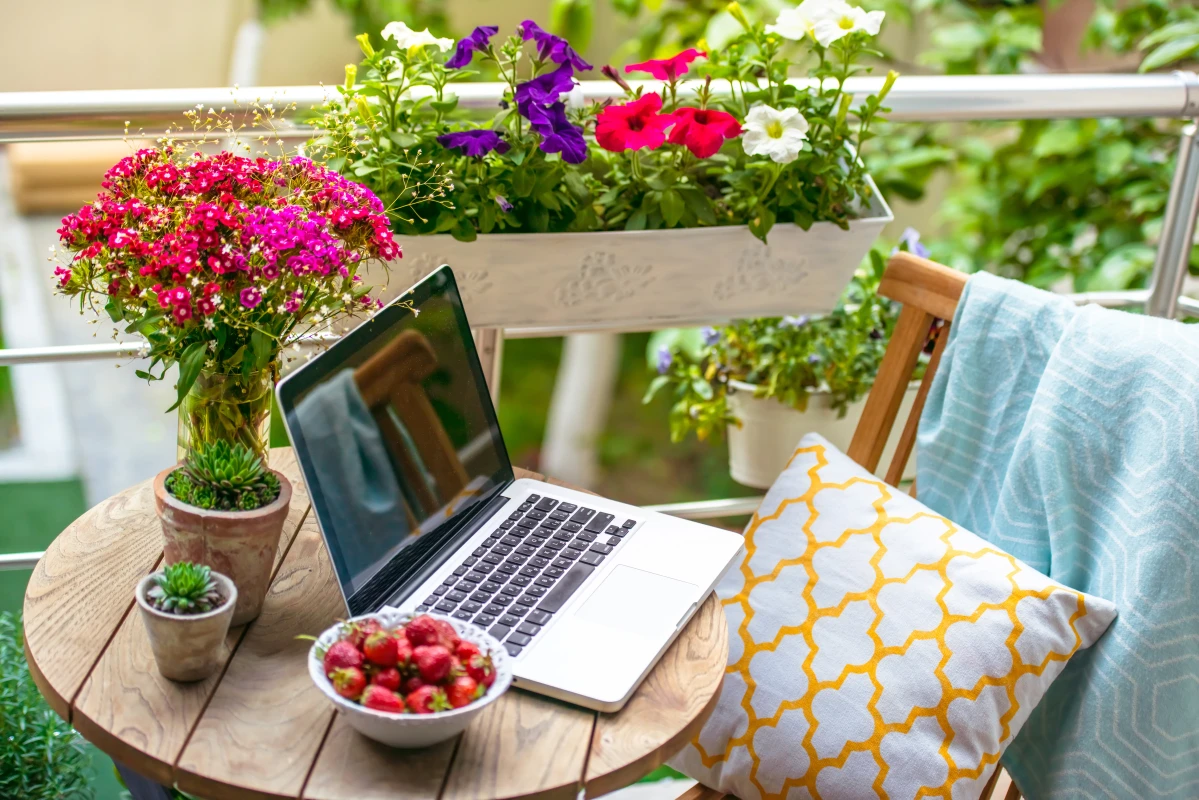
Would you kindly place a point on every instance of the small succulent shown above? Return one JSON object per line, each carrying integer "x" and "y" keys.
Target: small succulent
{"x": 185, "y": 588}
{"x": 223, "y": 476}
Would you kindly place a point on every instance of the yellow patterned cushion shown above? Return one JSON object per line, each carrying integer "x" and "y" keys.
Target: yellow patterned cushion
{"x": 875, "y": 648}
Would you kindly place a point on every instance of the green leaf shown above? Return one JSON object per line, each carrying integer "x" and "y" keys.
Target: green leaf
{"x": 190, "y": 364}
{"x": 1060, "y": 138}
{"x": 636, "y": 221}
{"x": 1121, "y": 268}
{"x": 262, "y": 349}
{"x": 445, "y": 106}
{"x": 1170, "y": 52}
{"x": 115, "y": 308}
{"x": 654, "y": 387}
{"x": 762, "y": 222}
{"x": 702, "y": 388}
{"x": 672, "y": 207}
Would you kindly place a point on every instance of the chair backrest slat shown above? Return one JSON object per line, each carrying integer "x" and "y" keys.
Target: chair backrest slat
{"x": 907, "y": 439}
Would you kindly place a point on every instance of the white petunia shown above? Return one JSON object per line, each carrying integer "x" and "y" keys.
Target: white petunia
{"x": 779, "y": 134}
{"x": 839, "y": 19}
{"x": 796, "y": 23}
{"x": 405, "y": 38}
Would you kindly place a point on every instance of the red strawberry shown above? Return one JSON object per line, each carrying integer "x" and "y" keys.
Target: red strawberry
{"x": 342, "y": 654}
{"x": 422, "y": 630}
{"x": 466, "y": 650}
{"x": 403, "y": 652}
{"x": 464, "y": 691}
{"x": 428, "y": 699}
{"x": 381, "y": 699}
{"x": 412, "y": 684}
{"x": 348, "y": 682}
{"x": 388, "y": 678}
{"x": 481, "y": 669}
{"x": 447, "y": 636}
{"x": 432, "y": 662}
{"x": 360, "y": 630}
{"x": 380, "y": 648}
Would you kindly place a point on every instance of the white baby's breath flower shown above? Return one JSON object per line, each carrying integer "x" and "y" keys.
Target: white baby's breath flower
{"x": 416, "y": 312}
{"x": 778, "y": 134}
{"x": 405, "y": 38}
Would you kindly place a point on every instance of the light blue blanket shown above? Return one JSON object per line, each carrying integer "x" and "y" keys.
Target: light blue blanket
{"x": 1070, "y": 437}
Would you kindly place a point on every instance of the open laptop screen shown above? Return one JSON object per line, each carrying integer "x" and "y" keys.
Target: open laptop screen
{"x": 396, "y": 435}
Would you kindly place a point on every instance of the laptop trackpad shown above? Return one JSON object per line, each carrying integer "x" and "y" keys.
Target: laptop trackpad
{"x": 639, "y": 602}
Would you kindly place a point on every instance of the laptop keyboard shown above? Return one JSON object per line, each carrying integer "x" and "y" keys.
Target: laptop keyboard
{"x": 514, "y": 583}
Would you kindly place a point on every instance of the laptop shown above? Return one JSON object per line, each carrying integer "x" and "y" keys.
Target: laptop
{"x": 410, "y": 480}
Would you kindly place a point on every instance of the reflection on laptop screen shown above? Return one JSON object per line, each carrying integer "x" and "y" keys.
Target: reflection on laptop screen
{"x": 396, "y": 433}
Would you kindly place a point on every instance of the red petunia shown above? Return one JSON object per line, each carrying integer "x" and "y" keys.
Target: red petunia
{"x": 668, "y": 69}
{"x": 633, "y": 126}
{"x": 703, "y": 130}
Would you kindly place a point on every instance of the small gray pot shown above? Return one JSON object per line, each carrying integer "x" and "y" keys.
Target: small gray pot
{"x": 187, "y": 647}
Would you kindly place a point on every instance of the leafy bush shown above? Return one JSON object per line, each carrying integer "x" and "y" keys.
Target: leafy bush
{"x": 41, "y": 756}
{"x": 785, "y": 358}
{"x": 223, "y": 476}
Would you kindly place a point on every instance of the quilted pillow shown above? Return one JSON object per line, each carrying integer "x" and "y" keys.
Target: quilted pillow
{"x": 875, "y": 648}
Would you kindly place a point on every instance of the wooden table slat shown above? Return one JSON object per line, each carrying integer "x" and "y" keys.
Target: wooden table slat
{"x": 128, "y": 709}
{"x": 265, "y": 722}
{"x": 98, "y": 560}
{"x": 350, "y": 765}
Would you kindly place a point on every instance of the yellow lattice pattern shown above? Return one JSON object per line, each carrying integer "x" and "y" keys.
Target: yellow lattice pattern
{"x": 807, "y": 617}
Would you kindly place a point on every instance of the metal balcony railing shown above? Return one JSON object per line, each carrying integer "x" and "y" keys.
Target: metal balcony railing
{"x": 59, "y": 116}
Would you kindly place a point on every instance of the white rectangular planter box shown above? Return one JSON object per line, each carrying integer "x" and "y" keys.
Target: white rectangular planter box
{"x": 641, "y": 280}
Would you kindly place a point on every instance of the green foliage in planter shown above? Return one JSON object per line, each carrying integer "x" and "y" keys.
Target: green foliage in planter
{"x": 223, "y": 476}
{"x": 786, "y": 358}
{"x": 185, "y": 588}
{"x": 41, "y": 756}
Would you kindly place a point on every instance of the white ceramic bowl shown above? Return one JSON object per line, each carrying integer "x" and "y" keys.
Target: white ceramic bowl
{"x": 412, "y": 730}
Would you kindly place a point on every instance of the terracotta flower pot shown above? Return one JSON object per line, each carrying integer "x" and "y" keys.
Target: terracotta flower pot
{"x": 239, "y": 544}
{"x": 187, "y": 647}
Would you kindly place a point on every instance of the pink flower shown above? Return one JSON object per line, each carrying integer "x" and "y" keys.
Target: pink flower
{"x": 178, "y": 295}
{"x": 206, "y": 306}
{"x": 63, "y": 275}
{"x": 703, "y": 130}
{"x": 668, "y": 69}
{"x": 250, "y": 296}
{"x": 182, "y": 313}
{"x": 634, "y": 125}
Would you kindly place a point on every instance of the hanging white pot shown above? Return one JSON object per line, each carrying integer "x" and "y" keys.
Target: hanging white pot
{"x": 638, "y": 280}
{"x": 770, "y": 430}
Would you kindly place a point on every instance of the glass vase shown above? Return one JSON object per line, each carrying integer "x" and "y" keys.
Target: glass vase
{"x": 227, "y": 406}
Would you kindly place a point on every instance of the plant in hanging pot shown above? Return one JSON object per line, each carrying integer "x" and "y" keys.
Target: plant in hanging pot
{"x": 187, "y": 609}
{"x": 768, "y": 381}
{"x": 627, "y": 195}
{"x": 218, "y": 261}
{"x": 221, "y": 507}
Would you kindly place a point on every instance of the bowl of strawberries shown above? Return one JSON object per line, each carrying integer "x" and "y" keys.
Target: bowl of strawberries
{"x": 409, "y": 681}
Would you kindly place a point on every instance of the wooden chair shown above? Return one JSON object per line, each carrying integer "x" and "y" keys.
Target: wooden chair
{"x": 929, "y": 293}
{"x": 390, "y": 383}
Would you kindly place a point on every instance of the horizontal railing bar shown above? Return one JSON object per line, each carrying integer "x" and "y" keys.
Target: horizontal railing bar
{"x": 709, "y": 509}
{"x": 40, "y": 116}
{"x": 9, "y": 561}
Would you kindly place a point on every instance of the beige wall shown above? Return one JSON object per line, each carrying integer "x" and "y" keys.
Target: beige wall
{"x": 138, "y": 44}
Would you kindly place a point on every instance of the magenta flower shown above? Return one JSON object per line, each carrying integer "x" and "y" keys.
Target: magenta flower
{"x": 250, "y": 296}
{"x": 474, "y": 143}
{"x": 668, "y": 69}
{"x": 478, "y": 42}
{"x": 551, "y": 47}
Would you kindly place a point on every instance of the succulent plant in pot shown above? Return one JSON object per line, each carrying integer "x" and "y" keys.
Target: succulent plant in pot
{"x": 222, "y": 507}
{"x": 187, "y": 609}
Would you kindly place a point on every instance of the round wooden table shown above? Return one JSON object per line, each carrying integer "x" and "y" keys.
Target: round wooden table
{"x": 259, "y": 728}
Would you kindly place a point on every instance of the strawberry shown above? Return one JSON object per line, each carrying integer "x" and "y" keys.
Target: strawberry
{"x": 388, "y": 678}
{"x": 422, "y": 630}
{"x": 482, "y": 670}
{"x": 456, "y": 668}
{"x": 432, "y": 662}
{"x": 342, "y": 654}
{"x": 381, "y": 699}
{"x": 466, "y": 650}
{"x": 447, "y": 636}
{"x": 412, "y": 684}
{"x": 464, "y": 691}
{"x": 428, "y": 699}
{"x": 380, "y": 648}
{"x": 348, "y": 682}
{"x": 360, "y": 630}
{"x": 403, "y": 652}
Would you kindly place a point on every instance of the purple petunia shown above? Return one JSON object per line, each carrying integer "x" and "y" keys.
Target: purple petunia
{"x": 543, "y": 90}
{"x": 551, "y": 47}
{"x": 478, "y": 42}
{"x": 503, "y": 203}
{"x": 710, "y": 336}
{"x": 476, "y": 143}
{"x": 910, "y": 240}
{"x": 559, "y": 136}
{"x": 665, "y": 359}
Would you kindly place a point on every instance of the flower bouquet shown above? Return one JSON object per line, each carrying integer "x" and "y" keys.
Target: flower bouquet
{"x": 218, "y": 262}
